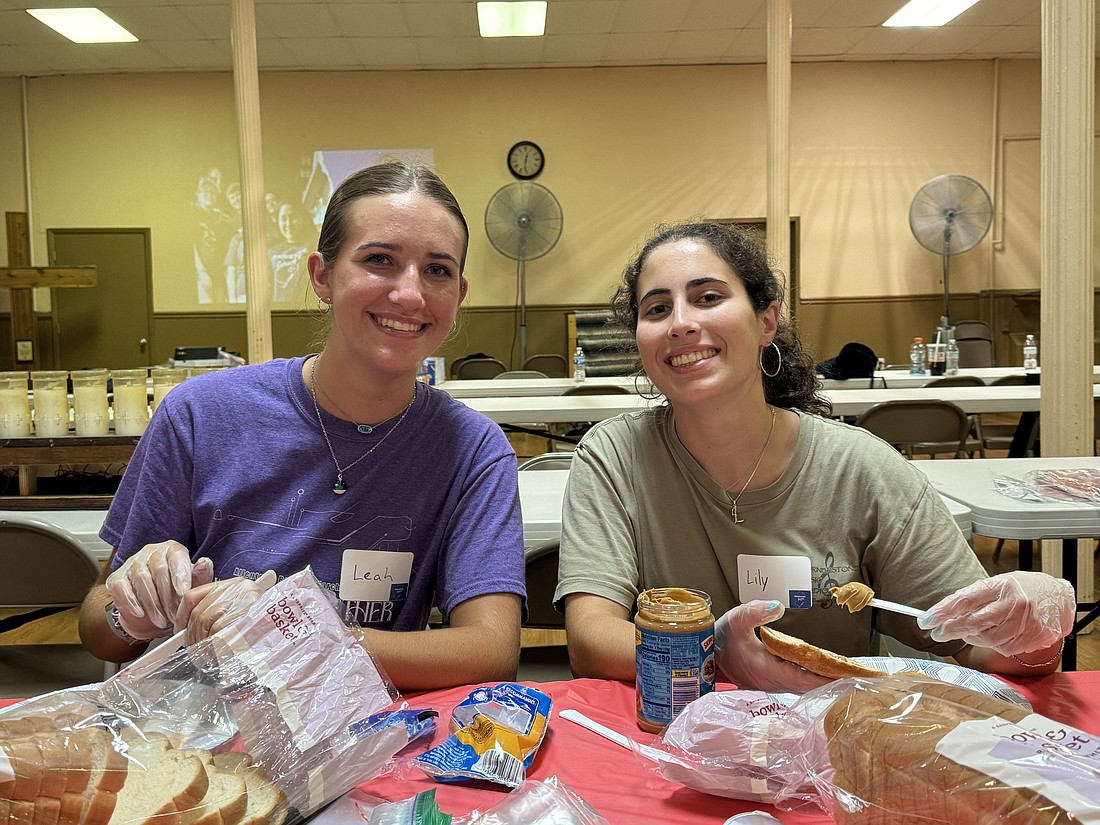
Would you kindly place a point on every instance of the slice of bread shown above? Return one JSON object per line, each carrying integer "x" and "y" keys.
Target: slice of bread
{"x": 226, "y": 799}
{"x": 266, "y": 801}
{"x": 812, "y": 658}
{"x": 161, "y": 782}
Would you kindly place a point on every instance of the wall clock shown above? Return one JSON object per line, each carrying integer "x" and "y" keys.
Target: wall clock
{"x": 525, "y": 160}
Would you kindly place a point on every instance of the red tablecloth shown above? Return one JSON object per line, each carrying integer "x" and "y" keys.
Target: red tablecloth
{"x": 614, "y": 782}
{"x": 624, "y": 791}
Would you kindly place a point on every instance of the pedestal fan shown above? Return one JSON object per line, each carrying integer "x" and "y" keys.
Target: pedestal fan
{"x": 523, "y": 221}
{"x": 950, "y": 214}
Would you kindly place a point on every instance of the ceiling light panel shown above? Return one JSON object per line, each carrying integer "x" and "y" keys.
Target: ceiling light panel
{"x": 83, "y": 25}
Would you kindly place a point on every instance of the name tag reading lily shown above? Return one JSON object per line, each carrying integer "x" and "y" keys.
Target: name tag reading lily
{"x": 374, "y": 575}
{"x": 787, "y": 579}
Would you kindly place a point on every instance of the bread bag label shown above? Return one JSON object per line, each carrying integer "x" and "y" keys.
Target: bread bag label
{"x": 1023, "y": 758}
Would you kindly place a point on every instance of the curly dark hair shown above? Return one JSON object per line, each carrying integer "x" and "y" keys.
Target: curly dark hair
{"x": 796, "y": 384}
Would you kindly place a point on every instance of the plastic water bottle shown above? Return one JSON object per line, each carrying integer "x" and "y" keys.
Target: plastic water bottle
{"x": 578, "y": 365}
{"x": 918, "y": 357}
{"x": 952, "y": 356}
{"x": 1031, "y": 354}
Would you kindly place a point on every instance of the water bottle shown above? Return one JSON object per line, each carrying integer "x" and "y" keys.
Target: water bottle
{"x": 578, "y": 365}
{"x": 952, "y": 356}
{"x": 918, "y": 357}
{"x": 1031, "y": 354}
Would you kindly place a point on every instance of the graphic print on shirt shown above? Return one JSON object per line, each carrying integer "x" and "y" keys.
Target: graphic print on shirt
{"x": 321, "y": 538}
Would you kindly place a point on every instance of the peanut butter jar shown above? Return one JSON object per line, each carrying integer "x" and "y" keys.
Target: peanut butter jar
{"x": 673, "y": 651}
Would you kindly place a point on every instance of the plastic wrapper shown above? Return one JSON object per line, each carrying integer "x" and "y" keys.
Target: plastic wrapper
{"x": 1076, "y": 486}
{"x": 267, "y": 720}
{"x": 724, "y": 744}
{"x": 496, "y": 732}
{"x": 532, "y": 803}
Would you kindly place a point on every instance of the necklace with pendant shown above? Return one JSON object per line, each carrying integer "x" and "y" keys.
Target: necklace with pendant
{"x": 752, "y": 474}
{"x": 341, "y": 487}
{"x": 365, "y": 429}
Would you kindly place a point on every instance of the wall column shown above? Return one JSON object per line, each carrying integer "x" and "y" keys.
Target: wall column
{"x": 1066, "y": 238}
{"x": 246, "y": 86}
{"x": 779, "y": 136}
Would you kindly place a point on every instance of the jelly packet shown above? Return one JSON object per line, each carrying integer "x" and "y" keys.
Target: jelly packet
{"x": 495, "y": 734}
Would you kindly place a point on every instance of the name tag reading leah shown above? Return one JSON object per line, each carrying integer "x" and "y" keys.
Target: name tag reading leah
{"x": 787, "y": 579}
{"x": 374, "y": 575}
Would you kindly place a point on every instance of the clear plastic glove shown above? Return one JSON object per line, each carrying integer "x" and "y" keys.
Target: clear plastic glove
{"x": 149, "y": 586}
{"x": 208, "y": 609}
{"x": 742, "y": 657}
{"x": 1011, "y": 613}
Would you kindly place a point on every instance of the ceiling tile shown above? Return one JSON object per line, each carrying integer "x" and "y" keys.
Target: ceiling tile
{"x": 374, "y": 20}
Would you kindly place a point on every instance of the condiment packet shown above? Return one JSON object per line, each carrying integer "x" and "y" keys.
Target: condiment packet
{"x": 496, "y": 733}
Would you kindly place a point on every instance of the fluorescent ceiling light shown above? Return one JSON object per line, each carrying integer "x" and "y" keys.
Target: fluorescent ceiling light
{"x": 83, "y": 25}
{"x": 526, "y": 18}
{"x": 929, "y": 12}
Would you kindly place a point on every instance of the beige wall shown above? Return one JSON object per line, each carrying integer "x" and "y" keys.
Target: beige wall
{"x": 625, "y": 148}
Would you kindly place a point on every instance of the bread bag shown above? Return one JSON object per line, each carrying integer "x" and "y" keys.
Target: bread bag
{"x": 263, "y": 722}
{"x": 905, "y": 749}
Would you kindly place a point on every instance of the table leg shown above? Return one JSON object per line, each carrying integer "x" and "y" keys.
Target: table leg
{"x": 1022, "y": 437}
{"x": 1069, "y": 572}
{"x": 1027, "y": 556}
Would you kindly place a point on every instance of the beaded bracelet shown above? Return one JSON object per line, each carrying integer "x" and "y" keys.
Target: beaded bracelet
{"x": 1048, "y": 662}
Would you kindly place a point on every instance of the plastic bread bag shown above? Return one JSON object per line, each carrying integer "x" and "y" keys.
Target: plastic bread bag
{"x": 496, "y": 732}
{"x": 532, "y": 803}
{"x": 723, "y": 743}
{"x": 904, "y": 749}
{"x": 1073, "y": 485}
{"x": 266, "y": 720}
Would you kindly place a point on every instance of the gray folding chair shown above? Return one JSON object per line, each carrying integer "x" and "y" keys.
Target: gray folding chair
{"x": 554, "y": 365}
{"x": 521, "y": 374}
{"x": 480, "y": 368}
{"x": 919, "y": 427}
{"x": 46, "y": 570}
{"x": 975, "y": 443}
{"x": 541, "y": 570}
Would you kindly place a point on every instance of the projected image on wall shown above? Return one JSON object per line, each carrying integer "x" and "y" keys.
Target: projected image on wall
{"x": 294, "y": 216}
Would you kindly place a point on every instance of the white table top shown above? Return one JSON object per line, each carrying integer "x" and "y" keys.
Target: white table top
{"x": 519, "y": 387}
{"x": 565, "y": 408}
{"x": 540, "y": 495}
{"x": 970, "y": 482}
{"x": 903, "y": 378}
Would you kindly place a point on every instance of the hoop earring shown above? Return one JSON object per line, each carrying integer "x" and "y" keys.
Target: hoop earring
{"x": 778, "y": 366}
{"x": 643, "y": 386}
{"x": 322, "y": 306}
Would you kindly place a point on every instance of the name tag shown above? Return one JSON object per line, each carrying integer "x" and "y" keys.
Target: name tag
{"x": 786, "y": 579}
{"x": 374, "y": 575}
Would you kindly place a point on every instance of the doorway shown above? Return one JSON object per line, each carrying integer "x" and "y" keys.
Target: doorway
{"x": 107, "y": 325}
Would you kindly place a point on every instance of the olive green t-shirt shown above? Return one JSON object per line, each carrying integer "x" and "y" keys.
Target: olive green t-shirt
{"x": 640, "y": 512}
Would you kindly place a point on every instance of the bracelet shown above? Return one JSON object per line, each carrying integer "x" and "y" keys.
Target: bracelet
{"x": 111, "y": 613}
{"x": 1048, "y": 662}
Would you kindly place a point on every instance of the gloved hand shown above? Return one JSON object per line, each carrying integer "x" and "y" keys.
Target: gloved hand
{"x": 149, "y": 585}
{"x": 742, "y": 657}
{"x": 208, "y": 609}
{"x": 1011, "y": 613}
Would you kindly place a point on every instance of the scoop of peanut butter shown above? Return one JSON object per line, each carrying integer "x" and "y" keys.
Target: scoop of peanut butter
{"x": 854, "y": 595}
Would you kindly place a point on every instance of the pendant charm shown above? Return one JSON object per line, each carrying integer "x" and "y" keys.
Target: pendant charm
{"x": 733, "y": 513}
{"x": 365, "y": 429}
{"x": 339, "y": 487}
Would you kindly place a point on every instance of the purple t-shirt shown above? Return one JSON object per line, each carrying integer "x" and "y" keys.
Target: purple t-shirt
{"x": 234, "y": 466}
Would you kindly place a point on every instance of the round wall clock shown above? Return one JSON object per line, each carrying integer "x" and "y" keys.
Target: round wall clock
{"x": 525, "y": 160}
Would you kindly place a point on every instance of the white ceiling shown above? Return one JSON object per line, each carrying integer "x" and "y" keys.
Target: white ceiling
{"x": 193, "y": 35}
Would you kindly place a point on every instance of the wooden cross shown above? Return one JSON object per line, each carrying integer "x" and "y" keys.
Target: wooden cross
{"x": 21, "y": 279}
